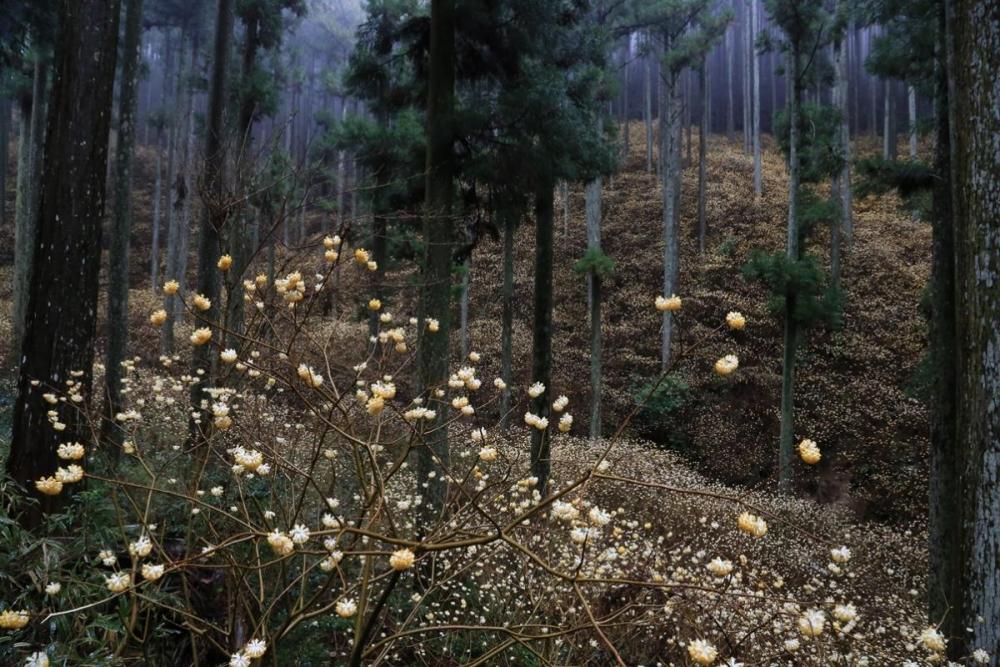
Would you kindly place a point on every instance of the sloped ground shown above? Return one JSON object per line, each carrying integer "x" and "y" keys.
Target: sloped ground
{"x": 852, "y": 383}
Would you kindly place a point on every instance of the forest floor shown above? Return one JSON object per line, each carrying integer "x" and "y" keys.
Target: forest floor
{"x": 855, "y": 397}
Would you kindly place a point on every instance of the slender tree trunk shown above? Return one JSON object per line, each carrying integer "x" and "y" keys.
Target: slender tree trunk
{"x": 594, "y": 299}
{"x": 787, "y": 446}
{"x": 730, "y": 46}
{"x": 702, "y": 150}
{"x": 841, "y": 88}
{"x": 510, "y": 216}
{"x": 625, "y": 109}
{"x": 28, "y": 192}
{"x": 974, "y": 37}
{"x": 911, "y": 99}
{"x": 62, "y": 305}
{"x": 755, "y": 73}
{"x": 541, "y": 357}
{"x": 889, "y": 122}
{"x": 747, "y": 56}
{"x": 154, "y": 262}
{"x": 670, "y": 157}
{"x": 213, "y": 215}
{"x": 121, "y": 221}
{"x": 439, "y": 233}
{"x": 648, "y": 109}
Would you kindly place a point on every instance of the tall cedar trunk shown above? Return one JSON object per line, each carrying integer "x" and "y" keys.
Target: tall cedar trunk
{"x": 541, "y": 348}
{"x": 944, "y": 516}
{"x": 730, "y": 45}
{"x": 213, "y": 215}
{"x": 30, "y": 165}
{"x": 179, "y": 194}
{"x": 787, "y": 445}
{"x": 755, "y": 74}
{"x": 62, "y": 305}
{"x": 510, "y": 216}
{"x": 974, "y": 36}
{"x": 670, "y": 158}
{"x": 889, "y": 121}
{"x": 173, "y": 83}
{"x": 625, "y": 110}
{"x": 439, "y": 232}
{"x": 648, "y": 107}
{"x": 5, "y": 107}
{"x": 593, "y": 195}
{"x": 841, "y": 88}
{"x": 911, "y": 116}
{"x": 747, "y": 104}
{"x": 702, "y": 150}
{"x": 121, "y": 223}
{"x": 240, "y": 241}
{"x": 154, "y": 261}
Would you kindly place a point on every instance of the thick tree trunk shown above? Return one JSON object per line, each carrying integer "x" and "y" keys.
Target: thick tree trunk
{"x": 5, "y": 107}
{"x": 213, "y": 215}
{"x": 439, "y": 233}
{"x": 755, "y": 130}
{"x": 974, "y": 36}
{"x": 62, "y": 306}
{"x": 541, "y": 349}
{"x": 786, "y": 452}
{"x": 121, "y": 222}
{"x": 30, "y": 165}
{"x": 944, "y": 584}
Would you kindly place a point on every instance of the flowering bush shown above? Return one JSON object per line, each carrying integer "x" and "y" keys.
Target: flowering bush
{"x": 280, "y": 519}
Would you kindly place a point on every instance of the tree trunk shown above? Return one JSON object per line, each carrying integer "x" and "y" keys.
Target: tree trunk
{"x": 510, "y": 217}
{"x": 648, "y": 109}
{"x": 911, "y": 99}
{"x": 439, "y": 233}
{"x": 62, "y": 305}
{"x": 889, "y": 122}
{"x": 541, "y": 349}
{"x": 702, "y": 150}
{"x": 5, "y": 107}
{"x": 154, "y": 262}
{"x": 730, "y": 46}
{"x": 213, "y": 215}
{"x": 841, "y": 87}
{"x": 787, "y": 446}
{"x": 564, "y": 196}
{"x": 625, "y": 110}
{"x": 747, "y": 103}
{"x": 755, "y": 72}
{"x": 670, "y": 158}
{"x": 594, "y": 299}
{"x": 30, "y": 165}
{"x": 121, "y": 222}
{"x": 974, "y": 36}
{"x": 944, "y": 584}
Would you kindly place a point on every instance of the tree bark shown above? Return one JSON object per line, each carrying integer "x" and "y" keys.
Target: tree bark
{"x": 648, "y": 109}
{"x": 439, "y": 232}
{"x": 841, "y": 88}
{"x": 786, "y": 452}
{"x": 5, "y": 107}
{"x": 594, "y": 299}
{"x": 755, "y": 73}
{"x": 213, "y": 215}
{"x": 974, "y": 36}
{"x": 62, "y": 305}
{"x": 702, "y": 150}
{"x": 121, "y": 222}
{"x": 541, "y": 350}
{"x": 670, "y": 158}
{"x": 30, "y": 165}
{"x": 911, "y": 107}
{"x": 510, "y": 217}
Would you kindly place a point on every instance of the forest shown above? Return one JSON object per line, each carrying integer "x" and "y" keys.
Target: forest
{"x": 537, "y": 333}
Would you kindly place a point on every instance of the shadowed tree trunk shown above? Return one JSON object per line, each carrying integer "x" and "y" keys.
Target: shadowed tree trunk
{"x": 786, "y": 451}
{"x": 62, "y": 305}
{"x": 121, "y": 223}
{"x": 541, "y": 349}
{"x": 755, "y": 74}
{"x": 702, "y": 151}
{"x": 670, "y": 159}
{"x": 841, "y": 89}
{"x": 5, "y": 107}
{"x": 510, "y": 216}
{"x": 439, "y": 233}
{"x": 213, "y": 215}
{"x": 648, "y": 107}
{"x": 29, "y": 171}
{"x": 594, "y": 299}
{"x": 974, "y": 37}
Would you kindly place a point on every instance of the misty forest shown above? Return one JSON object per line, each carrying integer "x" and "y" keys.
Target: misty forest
{"x": 542, "y": 333}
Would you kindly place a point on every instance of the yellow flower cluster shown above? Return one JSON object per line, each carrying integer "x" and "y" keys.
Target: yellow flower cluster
{"x": 809, "y": 451}
{"x": 752, "y": 524}
{"x": 702, "y": 652}
{"x": 11, "y": 619}
{"x": 727, "y": 364}
{"x": 668, "y": 305}
{"x": 401, "y": 560}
